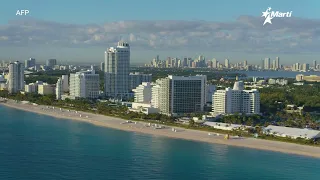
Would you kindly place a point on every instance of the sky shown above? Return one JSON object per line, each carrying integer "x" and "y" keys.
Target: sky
{"x": 80, "y": 31}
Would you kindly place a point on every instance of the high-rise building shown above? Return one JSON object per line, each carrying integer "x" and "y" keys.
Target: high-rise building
{"x": 59, "y": 89}
{"x": 226, "y": 63}
{"x": 278, "y": 63}
{"x": 190, "y": 60}
{"x": 210, "y": 89}
{"x": 31, "y": 62}
{"x": 142, "y": 93}
{"x": 136, "y": 78}
{"x": 84, "y": 84}
{"x": 267, "y": 63}
{"x": 209, "y": 64}
{"x": 305, "y": 67}
{"x": 51, "y": 63}
{"x": 214, "y": 63}
{"x": 16, "y": 77}
{"x": 185, "y": 62}
{"x": 155, "y": 93}
{"x": 297, "y": 66}
{"x": 102, "y": 66}
{"x": 314, "y": 64}
{"x": 245, "y": 63}
{"x": 219, "y": 65}
{"x": 94, "y": 67}
{"x": 117, "y": 66}
{"x": 26, "y": 63}
{"x": 230, "y": 101}
{"x": 221, "y": 101}
{"x": 65, "y": 83}
{"x": 177, "y": 95}
{"x": 274, "y": 65}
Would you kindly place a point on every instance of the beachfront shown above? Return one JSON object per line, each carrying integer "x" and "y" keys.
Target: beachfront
{"x": 161, "y": 130}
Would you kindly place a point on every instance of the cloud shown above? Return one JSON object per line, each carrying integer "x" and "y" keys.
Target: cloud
{"x": 245, "y": 34}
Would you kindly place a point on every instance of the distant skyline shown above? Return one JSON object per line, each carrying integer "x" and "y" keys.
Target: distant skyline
{"x": 73, "y": 31}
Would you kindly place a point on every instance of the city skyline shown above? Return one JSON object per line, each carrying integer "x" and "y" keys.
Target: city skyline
{"x": 216, "y": 30}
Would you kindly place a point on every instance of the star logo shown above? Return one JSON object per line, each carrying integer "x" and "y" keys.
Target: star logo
{"x": 267, "y": 15}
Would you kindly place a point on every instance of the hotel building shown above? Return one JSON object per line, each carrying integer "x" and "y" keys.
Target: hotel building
{"x": 142, "y": 93}
{"x": 236, "y": 100}
{"x": 178, "y": 95}
{"x": 117, "y": 65}
{"x": 84, "y": 84}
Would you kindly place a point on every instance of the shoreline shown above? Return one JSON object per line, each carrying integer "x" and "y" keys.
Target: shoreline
{"x": 187, "y": 134}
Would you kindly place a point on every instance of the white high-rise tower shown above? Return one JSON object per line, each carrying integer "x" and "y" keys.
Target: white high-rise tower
{"x": 16, "y": 77}
{"x": 227, "y": 63}
{"x": 267, "y": 63}
{"x": 278, "y": 63}
{"x": 59, "y": 89}
{"x": 117, "y": 66}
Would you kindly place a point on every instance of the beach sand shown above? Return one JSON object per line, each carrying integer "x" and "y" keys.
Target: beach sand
{"x": 181, "y": 133}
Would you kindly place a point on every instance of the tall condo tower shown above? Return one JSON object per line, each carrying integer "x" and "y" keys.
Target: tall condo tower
{"x": 267, "y": 63}
{"x": 278, "y": 63}
{"x": 16, "y": 77}
{"x": 117, "y": 66}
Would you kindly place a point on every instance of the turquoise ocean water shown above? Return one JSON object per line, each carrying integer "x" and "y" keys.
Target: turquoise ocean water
{"x": 40, "y": 147}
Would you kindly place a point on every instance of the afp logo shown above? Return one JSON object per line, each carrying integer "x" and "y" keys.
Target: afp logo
{"x": 22, "y": 12}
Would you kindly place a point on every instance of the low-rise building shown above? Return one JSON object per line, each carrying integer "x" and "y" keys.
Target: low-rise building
{"x": 3, "y": 82}
{"x": 3, "y": 86}
{"x": 45, "y": 89}
{"x": 30, "y": 88}
{"x": 311, "y": 78}
{"x": 293, "y": 133}
{"x": 256, "y": 79}
{"x": 278, "y": 81}
{"x": 145, "y": 108}
{"x": 291, "y": 108}
{"x": 142, "y": 93}
{"x": 227, "y": 126}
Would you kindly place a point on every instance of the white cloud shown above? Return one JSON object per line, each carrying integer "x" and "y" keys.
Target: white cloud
{"x": 246, "y": 34}
{"x": 3, "y": 38}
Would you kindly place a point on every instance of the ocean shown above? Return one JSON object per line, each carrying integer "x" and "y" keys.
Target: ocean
{"x": 39, "y": 147}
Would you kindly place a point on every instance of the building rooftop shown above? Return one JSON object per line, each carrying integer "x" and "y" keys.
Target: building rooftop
{"x": 226, "y": 125}
{"x": 294, "y": 132}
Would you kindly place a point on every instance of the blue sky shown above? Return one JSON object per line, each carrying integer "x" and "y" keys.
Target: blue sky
{"x": 92, "y": 31}
{"x": 99, "y": 11}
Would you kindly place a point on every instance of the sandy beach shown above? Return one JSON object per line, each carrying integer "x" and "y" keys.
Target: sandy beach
{"x": 147, "y": 128}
